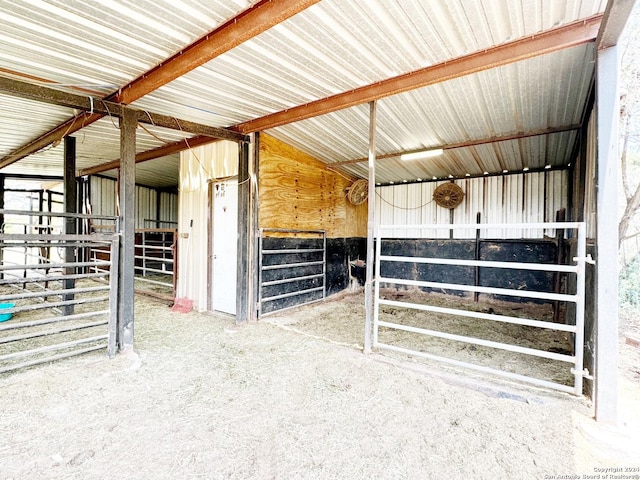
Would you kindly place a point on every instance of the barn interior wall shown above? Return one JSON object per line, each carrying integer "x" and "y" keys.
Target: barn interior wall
{"x": 198, "y": 167}
{"x": 104, "y": 200}
{"x": 519, "y": 198}
{"x": 296, "y": 191}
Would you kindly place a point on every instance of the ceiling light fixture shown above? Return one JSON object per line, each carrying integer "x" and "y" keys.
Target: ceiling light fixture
{"x": 422, "y": 154}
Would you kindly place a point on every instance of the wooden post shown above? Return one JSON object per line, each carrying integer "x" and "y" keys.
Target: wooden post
{"x": 70, "y": 206}
{"x": 371, "y": 202}
{"x": 126, "y": 195}
{"x": 254, "y": 173}
{"x": 244, "y": 201}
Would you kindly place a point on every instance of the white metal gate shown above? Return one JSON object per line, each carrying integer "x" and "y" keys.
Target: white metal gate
{"x": 576, "y": 328}
{"x": 53, "y": 304}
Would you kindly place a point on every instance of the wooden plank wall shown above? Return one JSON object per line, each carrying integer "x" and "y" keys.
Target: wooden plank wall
{"x": 297, "y": 191}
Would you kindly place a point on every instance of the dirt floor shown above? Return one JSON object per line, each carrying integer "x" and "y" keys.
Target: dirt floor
{"x": 289, "y": 398}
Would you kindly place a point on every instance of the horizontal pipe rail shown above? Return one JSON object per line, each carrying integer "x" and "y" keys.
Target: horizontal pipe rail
{"x": 545, "y": 267}
{"x": 492, "y": 290}
{"x": 43, "y": 266}
{"x": 51, "y": 293}
{"x": 30, "y": 213}
{"x": 292, "y": 294}
{"x": 41, "y": 306}
{"x": 479, "y": 368}
{"x": 292, "y": 265}
{"x": 52, "y": 278}
{"x": 28, "y": 336}
{"x": 290, "y": 280}
{"x": 478, "y": 341}
{"x": 52, "y": 358}
{"x": 561, "y": 327}
{"x": 51, "y": 348}
{"x": 47, "y": 321}
{"x": 292, "y": 250}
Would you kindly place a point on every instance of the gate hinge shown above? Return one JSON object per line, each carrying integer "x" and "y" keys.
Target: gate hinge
{"x": 587, "y": 259}
{"x": 585, "y": 373}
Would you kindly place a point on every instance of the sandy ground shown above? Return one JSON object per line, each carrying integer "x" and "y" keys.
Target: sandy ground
{"x": 202, "y": 398}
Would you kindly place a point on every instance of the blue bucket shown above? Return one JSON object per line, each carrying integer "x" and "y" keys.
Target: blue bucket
{"x": 6, "y": 316}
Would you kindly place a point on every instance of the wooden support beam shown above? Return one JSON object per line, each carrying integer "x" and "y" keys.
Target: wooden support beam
{"x": 92, "y": 106}
{"x": 243, "y": 290}
{"x": 162, "y": 151}
{"x": 546, "y": 42}
{"x": 70, "y": 223}
{"x": 369, "y": 285}
{"x": 470, "y": 143}
{"x": 126, "y": 196}
{"x": 248, "y": 24}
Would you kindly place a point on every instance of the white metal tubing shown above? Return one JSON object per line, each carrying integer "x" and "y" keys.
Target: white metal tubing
{"x": 545, "y": 267}
{"x": 45, "y": 321}
{"x": 471, "y": 288}
{"x": 561, "y": 327}
{"x": 376, "y": 304}
{"x": 157, "y": 259}
{"x": 40, "y": 306}
{"x": 50, "y": 348}
{"x": 481, "y": 226}
{"x": 369, "y": 296}
{"x": 73, "y": 328}
{"x": 155, "y": 282}
{"x": 480, "y": 368}
{"x": 478, "y": 341}
{"x": 580, "y": 294}
{"x": 52, "y": 358}
{"x": 154, "y": 270}
{"x": 52, "y": 293}
{"x": 44, "y": 266}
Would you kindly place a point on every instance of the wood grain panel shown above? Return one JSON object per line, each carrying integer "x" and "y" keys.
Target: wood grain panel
{"x": 297, "y": 191}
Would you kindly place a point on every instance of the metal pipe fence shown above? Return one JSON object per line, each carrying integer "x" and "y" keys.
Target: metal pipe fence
{"x": 575, "y": 328}
{"x": 53, "y": 308}
{"x": 292, "y": 268}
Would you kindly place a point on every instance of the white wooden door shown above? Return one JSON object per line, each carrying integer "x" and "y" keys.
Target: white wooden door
{"x": 225, "y": 246}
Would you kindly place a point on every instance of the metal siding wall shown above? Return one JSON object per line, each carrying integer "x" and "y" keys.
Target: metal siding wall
{"x": 169, "y": 209}
{"x": 197, "y": 167}
{"x": 103, "y": 202}
{"x": 145, "y": 207}
{"x": 516, "y": 198}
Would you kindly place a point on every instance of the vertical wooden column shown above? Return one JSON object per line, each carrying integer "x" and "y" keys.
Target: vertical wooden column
{"x": 126, "y": 195}
{"x": 70, "y": 206}
{"x": 254, "y": 174}
{"x": 608, "y": 114}
{"x": 243, "y": 298}
{"x": 371, "y": 202}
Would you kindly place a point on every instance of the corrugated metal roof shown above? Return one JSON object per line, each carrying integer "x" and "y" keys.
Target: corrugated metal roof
{"x": 332, "y": 47}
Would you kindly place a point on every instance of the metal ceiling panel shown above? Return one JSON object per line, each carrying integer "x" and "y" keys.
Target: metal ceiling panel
{"x": 531, "y": 95}
{"x": 101, "y": 45}
{"x": 332, "y": 47}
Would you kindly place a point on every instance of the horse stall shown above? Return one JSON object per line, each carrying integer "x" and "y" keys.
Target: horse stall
{"x": 53, "y": 304}
{"x": 489, "y": 278}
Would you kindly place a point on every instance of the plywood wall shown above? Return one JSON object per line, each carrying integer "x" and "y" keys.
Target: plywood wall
{"x": 297, "y": 191}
